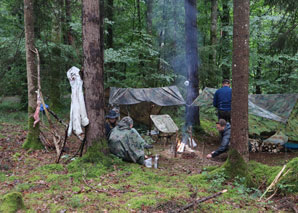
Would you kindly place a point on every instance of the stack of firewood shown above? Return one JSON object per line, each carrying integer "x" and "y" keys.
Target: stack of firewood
{"x": 271, "y": 147}
{"x": 257, "y": 145}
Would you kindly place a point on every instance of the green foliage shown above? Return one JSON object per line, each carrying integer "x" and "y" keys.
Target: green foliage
{"x": 138, "y": 202}
{"x": 76, "y": 201}
{"x": 289, "y": 183}
{"x": 2, "y": 177}
{"x": 12, "y": 202}
{"x": 51, "y": 168}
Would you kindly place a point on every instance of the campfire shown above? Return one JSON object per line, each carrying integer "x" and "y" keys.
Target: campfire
{"x": 186, "y": 142}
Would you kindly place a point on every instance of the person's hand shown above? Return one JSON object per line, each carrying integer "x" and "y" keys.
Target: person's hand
{"x": 209, "y": 156}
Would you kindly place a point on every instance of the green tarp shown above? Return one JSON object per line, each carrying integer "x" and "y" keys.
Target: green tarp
{"x": 268, "y": 113}
{"x": 276, "y": 107}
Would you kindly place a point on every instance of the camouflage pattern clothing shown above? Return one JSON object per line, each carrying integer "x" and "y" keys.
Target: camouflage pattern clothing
{"x": 126, "y": 143}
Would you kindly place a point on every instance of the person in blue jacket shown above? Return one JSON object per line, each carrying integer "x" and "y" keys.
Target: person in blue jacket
{"x": 222, "y": 101}
{"x": 224, "y": 129}
{"x": 111, "y": 121}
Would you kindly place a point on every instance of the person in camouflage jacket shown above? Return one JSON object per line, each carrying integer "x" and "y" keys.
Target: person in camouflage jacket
{"x": 126, "y": 143}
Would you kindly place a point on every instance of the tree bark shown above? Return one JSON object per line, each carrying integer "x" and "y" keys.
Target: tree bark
{"x": 192, "y": 113}
{"x": 93, "y": 70}
{"x": 225, "y": 46}
{"x": 240, "y": 72}
{"x": 32, "y": 140}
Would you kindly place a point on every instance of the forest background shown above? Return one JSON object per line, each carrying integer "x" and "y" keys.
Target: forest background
{"x": 145, "y": 45}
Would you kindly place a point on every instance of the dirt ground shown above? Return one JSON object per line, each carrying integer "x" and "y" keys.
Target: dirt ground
{"x": 12, "y": 138}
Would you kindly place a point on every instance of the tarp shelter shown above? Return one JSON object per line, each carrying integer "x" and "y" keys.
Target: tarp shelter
{"x": 273, "y": 107}
{"x": 143, "y": 102}
{"x": 162, "y": 96}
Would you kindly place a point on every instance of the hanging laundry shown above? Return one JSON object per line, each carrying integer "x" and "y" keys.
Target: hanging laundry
{"x": 78, "y": 114}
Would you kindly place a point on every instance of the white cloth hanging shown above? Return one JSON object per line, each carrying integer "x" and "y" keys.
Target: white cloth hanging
{"x": 78, "y": 114}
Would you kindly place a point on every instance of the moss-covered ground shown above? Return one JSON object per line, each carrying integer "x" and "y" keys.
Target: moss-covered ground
{"x": 106, "y": 184}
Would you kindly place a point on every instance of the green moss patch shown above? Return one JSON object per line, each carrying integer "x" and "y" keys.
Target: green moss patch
{"x": 12, "y": 202}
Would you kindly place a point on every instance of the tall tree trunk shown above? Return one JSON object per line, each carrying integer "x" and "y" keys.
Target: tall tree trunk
{"x": 32, "y": 140}
{"x": 191, "y": 31}
{"x": 258, "y": 77}
{"x": 149, "y": 16}
{"x": 93, "y": 70}
{"x": 139, "y": 16}
{"x": 110, "y": 6}
{"x": 69, "y": 36}
{"x": 225, "y": 45}
{"x": 240, "y": 72}
{"x": 212, "y": 72}
{"x": 58, "y": 37}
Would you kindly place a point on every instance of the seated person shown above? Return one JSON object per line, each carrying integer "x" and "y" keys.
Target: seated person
{"x": 126, "y": 143}
{"x": 224, "y": 129}
{"x": 111, "y": 121}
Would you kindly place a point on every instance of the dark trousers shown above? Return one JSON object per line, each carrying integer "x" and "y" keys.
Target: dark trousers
{"x": 226, "y": 115}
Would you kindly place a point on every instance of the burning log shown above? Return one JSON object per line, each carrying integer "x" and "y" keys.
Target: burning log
{"x": 190, "y": 134}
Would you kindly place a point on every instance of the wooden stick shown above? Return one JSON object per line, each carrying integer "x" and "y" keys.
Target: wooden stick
{"x": 201, "y": 200}
{"x": 57, "y": 118}
{"x": 61, "y": 151}
{"x": 39, "y": 86}
{"x": 176, "y": 144}
{"x": 274, "y": 181}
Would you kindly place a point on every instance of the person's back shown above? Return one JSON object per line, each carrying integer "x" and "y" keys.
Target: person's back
{"x": 222, "y": 98}
{"x": 222, "y": 101}
{"x": 126, "y": 143}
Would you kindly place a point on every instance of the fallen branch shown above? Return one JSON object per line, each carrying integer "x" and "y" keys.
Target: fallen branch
{"x": 271, "y": 196}
{"x": 63, "y": 145}
{"x": 274, "y": 181}
{"x": 201, "y": 200}
{"x": 57, "y": 118}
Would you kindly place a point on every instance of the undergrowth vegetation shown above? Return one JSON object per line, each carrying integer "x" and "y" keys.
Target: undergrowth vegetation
{"x": 103, "y": 182}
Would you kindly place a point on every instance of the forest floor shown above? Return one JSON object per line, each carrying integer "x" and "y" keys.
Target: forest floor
{"x": 116, "y": 186}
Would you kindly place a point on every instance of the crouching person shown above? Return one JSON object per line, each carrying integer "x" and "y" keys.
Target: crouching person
{"x": 224, "y": 129}
{"x": 126, "y": 143}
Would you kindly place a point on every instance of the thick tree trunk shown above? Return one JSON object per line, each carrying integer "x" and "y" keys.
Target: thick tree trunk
{"x": 32, "y": 140}
{"x": 110, "y": 6}
{"x": 93, "y": 70}
{"x": 191, "y": 31}
{"x": 225, "y": 44}
{"x": 240, "y": 72}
